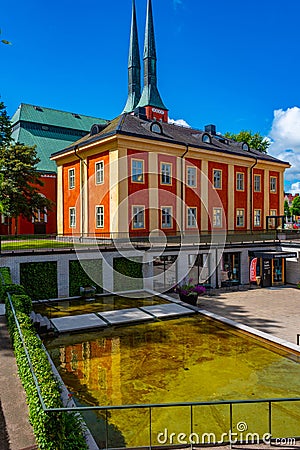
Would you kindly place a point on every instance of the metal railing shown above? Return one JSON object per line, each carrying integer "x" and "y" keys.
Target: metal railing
{"x": 37, "y": 243}
{"x": 231, "y": 431}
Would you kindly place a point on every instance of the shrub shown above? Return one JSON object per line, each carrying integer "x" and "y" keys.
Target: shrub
{"x": 53, "y": 431}
{"x": 39, "y": 279}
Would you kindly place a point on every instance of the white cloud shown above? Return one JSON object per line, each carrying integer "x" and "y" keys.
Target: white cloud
{"x": 180, "y": 122}
{"x": 285, "y": 141}
{"x": 295, "y": 188}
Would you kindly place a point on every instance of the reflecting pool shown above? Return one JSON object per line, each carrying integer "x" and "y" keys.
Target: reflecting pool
{"x": 73, "y": 307}
{"x": 184, "y": 360}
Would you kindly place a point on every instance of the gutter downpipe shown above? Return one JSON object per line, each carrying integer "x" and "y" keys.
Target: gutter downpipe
{"x": 81, "y": 191}
{"x": 182, "y": 188}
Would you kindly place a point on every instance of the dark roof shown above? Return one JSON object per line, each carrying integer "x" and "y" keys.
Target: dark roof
{"x": 131, "y": 125}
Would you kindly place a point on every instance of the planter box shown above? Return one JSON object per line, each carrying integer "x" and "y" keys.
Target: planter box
{"x": 191, "y": 299}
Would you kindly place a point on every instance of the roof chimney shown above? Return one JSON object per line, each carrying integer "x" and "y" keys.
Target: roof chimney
{"x": 211, "y": 129}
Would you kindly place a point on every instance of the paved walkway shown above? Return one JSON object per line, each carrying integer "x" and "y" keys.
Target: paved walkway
{"x": 15, "y": 431}
{"x": 275, "y": 310}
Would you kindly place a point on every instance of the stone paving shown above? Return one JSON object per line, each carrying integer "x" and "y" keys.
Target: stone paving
{"x": 275, "y": 310}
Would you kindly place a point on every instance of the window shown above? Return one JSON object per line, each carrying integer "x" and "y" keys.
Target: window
{"x": 257, "y": 187}
{"x": 217, "y": 217}
{"x": 138, "y": 220}
{"x": 257, "y": 217}
{"x": 71, "y": 178}
{"x": 217, "y": 179}
{"x": 206, "y": 138}
{"x": 191, "y": 177}
{"x": 137, "y": 171}
{"x": 166, "y": 217}
{"x": 156, "y": 128}
{"x": 100, "y": 216}
{"x": 240, "y": 181}
{"x": 273, "y": 184}
{"x": 99, "y": 172}
{"x": 245, "y": 146}
{"x": 72, "y": 217}
{"x": 192, "y": 217}
{"x": 240, "y": 217}
{"x": 166, "y": 170}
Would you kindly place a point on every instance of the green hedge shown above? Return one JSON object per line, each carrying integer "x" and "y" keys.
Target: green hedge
{"x": 133, "y": 271}
{"x": 87, "y": 272}
{"x": 53, "y": 431}
{"x": 39, "y": 279}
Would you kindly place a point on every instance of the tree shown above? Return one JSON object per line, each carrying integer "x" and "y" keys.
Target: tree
{"x": 19, "y": 180}
{"x": 296, "y": 206}
{"x": 5, "y": 126}
{"x": 287, "y": 209}
{"x": 254, "y": 140}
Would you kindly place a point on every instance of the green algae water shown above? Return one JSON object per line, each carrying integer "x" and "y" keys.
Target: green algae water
{"x": 74, "y": 307}
{"x": 191, "y": 359}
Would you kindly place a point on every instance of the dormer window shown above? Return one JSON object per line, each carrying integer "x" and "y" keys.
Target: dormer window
{"x": 245, "y": 146}
{"x": 156, "y": 128}
{"x": 206, "y": 138}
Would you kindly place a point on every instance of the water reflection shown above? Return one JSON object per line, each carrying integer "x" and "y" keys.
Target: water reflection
{"x": 183, "y": 360}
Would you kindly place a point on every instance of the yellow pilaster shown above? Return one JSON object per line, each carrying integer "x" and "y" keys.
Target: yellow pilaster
{"x": 204, "y": 195}
{"x": 114, "y": 190}
{"x": 230, "y": 194}
{"x": 180, "y": 194}
{"x": 124, "y": 173}
{"x": 85, "y": 197}
{"x": 153, "y": 193}
{"x": 266, "y": 210}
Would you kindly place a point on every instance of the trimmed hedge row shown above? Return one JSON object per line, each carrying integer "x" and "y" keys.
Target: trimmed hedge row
{"x": 128, "y": 274}
{"x": 39, "y": 279}
{"x": 53, "y": 431}
{"x": 78, "y": 275}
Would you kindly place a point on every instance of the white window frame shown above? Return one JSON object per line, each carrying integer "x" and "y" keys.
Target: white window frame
{"x": 137, "y": 170}
{"x": 166, "y": 213}
{"x": 217, "y": 217}
{"x": 99, "y": 172}
{"x": 138, "y": 212}
{"x": 166, "y": 173}
{"x": 257, "y": 183}
{"x": 191, "y": 176}
{"x": 273, "y": 185}
{"x": 240, "y": 217}
{"x": 257, "y": 215}
{"x": 192, "y": 217}
{"x": 99, "y": 216}
{"x": 71, "y": 178}
{"x": 240, "y": 181}
{"x": 217, "y": 178}
{"x": 72, "y": 217}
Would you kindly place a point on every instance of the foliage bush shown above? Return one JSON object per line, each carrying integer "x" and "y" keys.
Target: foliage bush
{"x": 132, "y": 269}
{"x": 39, "y": 279}
{"x": 79, "y": 272}
{"x": 56, "y": 430}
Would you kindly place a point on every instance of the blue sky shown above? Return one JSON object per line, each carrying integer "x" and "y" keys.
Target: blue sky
{"x": 235, "y": 64}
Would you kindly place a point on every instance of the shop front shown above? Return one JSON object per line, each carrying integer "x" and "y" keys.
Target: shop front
{"x": 268, "y": 268}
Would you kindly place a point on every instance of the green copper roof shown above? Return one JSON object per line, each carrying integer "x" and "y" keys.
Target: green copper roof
{"x": 134, "y": 66}
{"x": 50, "y": 130}
{"x": 48, "y": 116}
{"x": 150, "y": 95}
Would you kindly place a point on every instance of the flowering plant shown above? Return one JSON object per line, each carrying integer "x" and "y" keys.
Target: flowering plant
{"x": 188, "y": 288}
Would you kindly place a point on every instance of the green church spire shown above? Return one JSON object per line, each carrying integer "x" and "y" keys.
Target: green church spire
{"x": 150, "y": 95}
{"x": 134, "y": 66}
